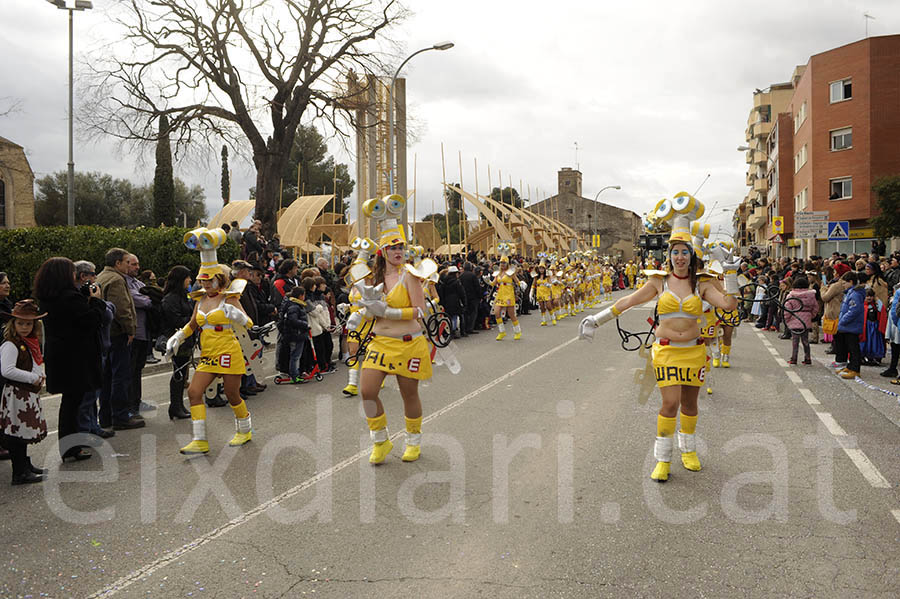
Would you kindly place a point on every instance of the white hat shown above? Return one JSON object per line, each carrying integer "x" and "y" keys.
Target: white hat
{"x": 452, "y": 269}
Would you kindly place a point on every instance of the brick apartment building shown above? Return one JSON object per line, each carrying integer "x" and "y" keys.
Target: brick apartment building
{"x": 839, "y": 133}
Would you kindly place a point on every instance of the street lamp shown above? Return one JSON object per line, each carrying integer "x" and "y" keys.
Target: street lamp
{"x": 77, "y": 5}
{"x": 438, "y": 46}
{"x": 605, "y": 188}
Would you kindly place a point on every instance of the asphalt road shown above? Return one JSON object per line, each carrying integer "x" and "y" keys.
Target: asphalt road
{"x": 533, "y": 482}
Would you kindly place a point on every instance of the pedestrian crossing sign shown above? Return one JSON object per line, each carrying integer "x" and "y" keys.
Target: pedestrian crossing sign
{"x": 838, "y": 230}
{"x": 777, "y": 224}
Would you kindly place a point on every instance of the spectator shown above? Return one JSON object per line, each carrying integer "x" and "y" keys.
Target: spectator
{"x": 6, "y": 304}
{"x": 253, "y": 248}
{"x": 241, "y": 269}
{"x": 832, "y": 297}
{"x": 21, "y": 365}
{"x": 893, "y": 336}
{"x": 872, "y": 340}
{"x": 800, "y": 308}
{"x": 71, "y": 345}
{"x": 141, "y": 341}
{"x": 323, "y": 342}
{"x": 850, "y": 326}
{"x": 115, "y": 408}
{"x": 177, "y": 311}
{"x": 892, "y": 273}
{"x": 327, "y": 273}
{"x": 472, "y": 290}
{"x": 453, "y": 299}
{"x": 294, "y": 329}
{"x": 286, "y": 279}
{"x": 235, "y": 232}
{"x": 85, "y": 277}
{"x": 154, "y": 314}
{"x": 259, "y": 289}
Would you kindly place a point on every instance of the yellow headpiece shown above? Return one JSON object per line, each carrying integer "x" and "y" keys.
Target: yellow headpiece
{"x": 391, "y": 237}
{"x": 206, "y": 241}
{"x": 676, "y": 213}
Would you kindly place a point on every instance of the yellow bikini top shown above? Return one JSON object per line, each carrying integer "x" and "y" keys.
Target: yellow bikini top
{"x": 398, "y": 297}
{"x": 214, "y": 319}
{"x": 671, "y": 306}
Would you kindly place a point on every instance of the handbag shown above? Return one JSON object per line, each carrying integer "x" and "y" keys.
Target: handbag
{"x": 829, "y": 326}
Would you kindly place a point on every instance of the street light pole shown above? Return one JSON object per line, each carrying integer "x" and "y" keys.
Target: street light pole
{"x": 596, "y": 197}
{"x": 78, "y": 5}
{"x": 439, "y": 46}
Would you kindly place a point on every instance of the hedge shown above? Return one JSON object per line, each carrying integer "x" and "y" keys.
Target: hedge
{"x": 22, "y": 251}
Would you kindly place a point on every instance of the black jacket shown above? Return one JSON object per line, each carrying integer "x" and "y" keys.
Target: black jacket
{"x": 292, "y": 321}
{"x": 177, "y": 311}
{"x": 453, "y": 296}
{"x": 72, "y": 341}
{"x": 470, "y": 286}
{"x": 265, "y": 310}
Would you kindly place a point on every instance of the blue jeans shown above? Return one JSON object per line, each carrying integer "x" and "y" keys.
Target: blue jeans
{"x": 296, "y": 354}
{"x": 115, "y": 404}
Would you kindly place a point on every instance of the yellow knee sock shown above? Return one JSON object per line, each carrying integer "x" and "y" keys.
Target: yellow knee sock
{"x": 377, "y": 423}
{"x": 688, "y": 424}
{"x": 198, "y": 412}
{"x": 381, "y": 442}
{"x": 240, "y": 410}
{"x": 413, "y": 439}
{"x": 687, "y": 443}
{"x": 665, "y": 427}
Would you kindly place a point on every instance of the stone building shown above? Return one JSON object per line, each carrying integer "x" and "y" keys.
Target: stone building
{"x": 619, "y": 229}
{"x": 16, "y": 187}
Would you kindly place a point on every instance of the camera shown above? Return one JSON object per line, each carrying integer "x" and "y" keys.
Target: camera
{"x": 88, "y": 288}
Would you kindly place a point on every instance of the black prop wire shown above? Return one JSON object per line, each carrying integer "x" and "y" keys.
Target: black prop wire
{"x": 772, "y": 295}
{"x": 256, "y": 332}
{"x": 362, "y": 337}
{"x": 438, "y": 326}
{"x": 635, "y": 341}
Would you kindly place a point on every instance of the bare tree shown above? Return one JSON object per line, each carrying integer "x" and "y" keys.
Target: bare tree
{"x": 10, "y": 106}
{"x": 242, "y": 71}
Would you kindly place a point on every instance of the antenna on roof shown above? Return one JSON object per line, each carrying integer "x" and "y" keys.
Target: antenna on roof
{"x": 866, "y": 17}
{"x": 576, "y": 157}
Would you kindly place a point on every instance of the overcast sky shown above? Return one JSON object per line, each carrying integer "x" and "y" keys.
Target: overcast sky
{"x": 656, "y": 94}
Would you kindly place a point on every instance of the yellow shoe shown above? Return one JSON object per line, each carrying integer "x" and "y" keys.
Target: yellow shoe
{"x": 725, "y": 361}
{"x": 517, "y": 336}
{"x": 716, "y": 362}
{"x": 709, "y": 391}
{"x": 195, "y": 448}
{"x": 661, "y": 472}
{"x": 849, "y": 374}
{"x": 501, "y": 336}
{"x": 350, "y": 390}
{"x": 411, "y": 453}
{"x": 690, "y": 461}
{"x": 240, "y": 439}
{"x": 543, "y": 323}
{"x": 380, "y": 451}
{"x": 554, "y": 322}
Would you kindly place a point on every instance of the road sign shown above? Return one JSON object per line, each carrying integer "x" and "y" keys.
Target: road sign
{"x": 838, "y": 230}
{"x": 811, "y": 225}
{"x": 777, "y": 224}
{"x": 777, "y": 239}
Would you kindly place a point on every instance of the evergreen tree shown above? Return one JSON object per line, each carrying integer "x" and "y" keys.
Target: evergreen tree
{"x": 164, "y": 180}
{"x": 226, "y": 180}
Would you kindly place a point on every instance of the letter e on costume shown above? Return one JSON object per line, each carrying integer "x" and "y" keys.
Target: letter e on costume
{"x": 413, "y": 365}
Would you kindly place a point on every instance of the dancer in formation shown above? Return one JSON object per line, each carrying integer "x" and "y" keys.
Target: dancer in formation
{"x": 679, "y": 353}
{"x": 543, "y": 292}
{"x": 217, "y": 312}
{"x": 506, "y": 281}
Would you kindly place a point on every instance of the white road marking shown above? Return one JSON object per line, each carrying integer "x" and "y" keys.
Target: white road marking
{"x": 896, "y": 514}
{"x": 176, "y": 554}
{"x": 772, "y": 350}
{"x": 782, "y": 362}
{"x": 795, "y": 378}
{"x": 809, "y": 397}
{"x": 867, "y": 468}
{"x": 831, "y": 424}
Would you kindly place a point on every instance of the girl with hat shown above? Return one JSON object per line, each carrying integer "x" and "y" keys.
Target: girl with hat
{"x": 22, "y": 365}
{"x": 679, "y": 352}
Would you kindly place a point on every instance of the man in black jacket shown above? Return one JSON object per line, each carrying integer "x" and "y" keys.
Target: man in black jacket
{"x": 453, "y": 299}
{"x": 473, "y": 293}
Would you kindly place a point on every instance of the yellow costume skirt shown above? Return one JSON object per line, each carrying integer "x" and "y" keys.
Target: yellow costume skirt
{"x": 504, "y": 302}
{"x": 220, "y": 353}
{"x": 708, "y": 331}
{"x": 543, "y": 294}
{"x": 679, "y": 365}
{"x": 411, "y": 359}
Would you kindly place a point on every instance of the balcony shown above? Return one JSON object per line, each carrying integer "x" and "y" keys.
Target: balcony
{"x": 761, "y": 185}
{"x": 750, "y": 179}
{"x": 761, "y": 99}
{"x": 749, "y": 156}
{"x": 762, "y": 129}
{"x": 759, "y": 157}
{"x": 757, "y": 219}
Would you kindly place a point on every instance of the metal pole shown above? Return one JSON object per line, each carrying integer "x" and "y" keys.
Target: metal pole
{"x": 71, "y": 177}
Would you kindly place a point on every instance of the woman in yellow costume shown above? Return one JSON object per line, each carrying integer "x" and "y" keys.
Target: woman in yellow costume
{"x": 399, "y": 346}
{"x": 720, "y": 250}
{"x": 607, "y": 282}
{"x": 556, "y": 293}
{"x": 217, "y": 312}
{"x": 679, "y": 353}
{"x": 506, "y": 281}
{"x": 543, "y": 293}
{"x": 358, "y": 323}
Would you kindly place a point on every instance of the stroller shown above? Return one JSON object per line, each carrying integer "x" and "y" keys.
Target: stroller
{"x": 314, "y": 372}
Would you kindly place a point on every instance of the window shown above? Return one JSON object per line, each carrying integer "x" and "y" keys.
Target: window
{"x": 800, "y": 117}
{"x": 841, "y": 139}
{"x": 841, "y": 90}
{"x": 841, "y": 189}
{"x": 800, "y": 201}
{"x": 800, "y": 158}
{"x": 2, "y": 203}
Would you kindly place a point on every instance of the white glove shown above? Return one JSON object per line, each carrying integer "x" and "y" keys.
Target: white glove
{"x": 354, "y": 320}
{"x": 590, "y": 323}
{"x": 372, "y": 301}
{"x": 720, "y": 254}
{"x": 174, "y": 342}
{"x": 235, "y": 315}
{"x": 522, "y": 285}
{"x": 343, "y": 308}
{"x": 730, "y": 278}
